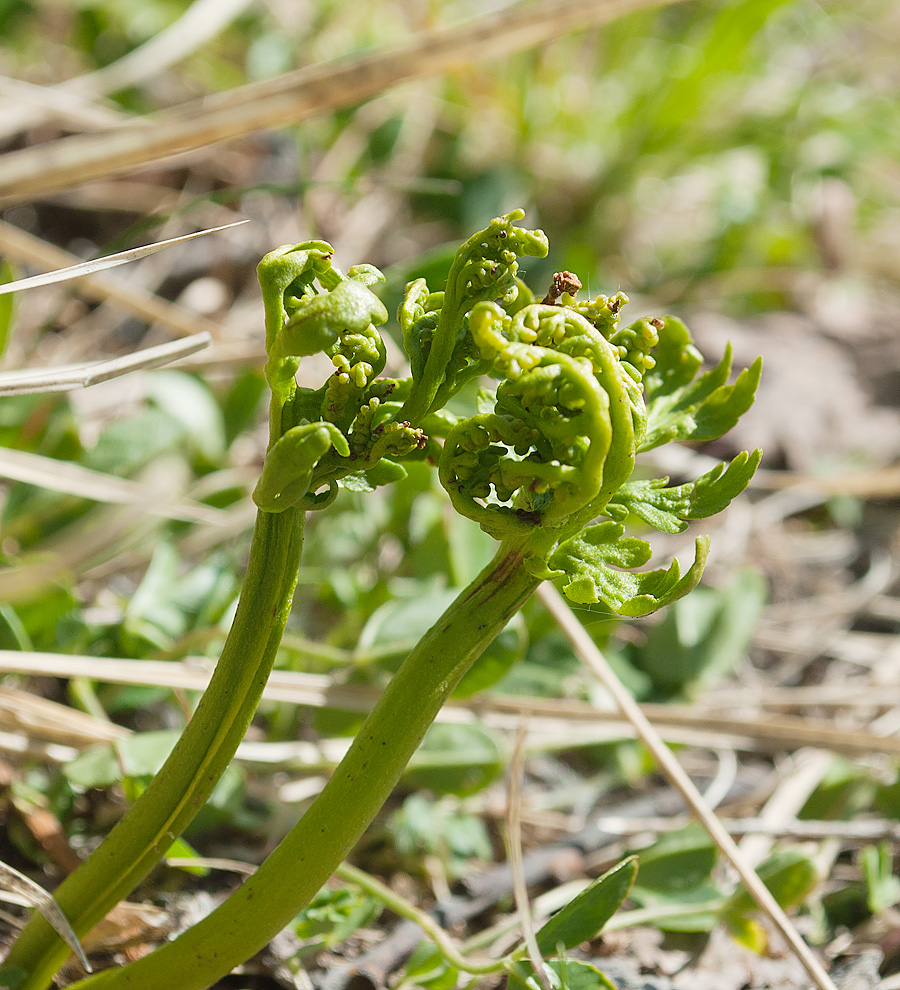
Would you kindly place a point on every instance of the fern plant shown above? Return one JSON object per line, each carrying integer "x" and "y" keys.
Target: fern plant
{"x": 569, "y": 399}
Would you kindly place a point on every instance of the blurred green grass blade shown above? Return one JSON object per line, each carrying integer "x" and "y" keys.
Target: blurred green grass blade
{"x": 7, "y": 275}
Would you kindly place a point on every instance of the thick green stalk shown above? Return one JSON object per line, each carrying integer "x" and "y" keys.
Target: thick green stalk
{"x": 209, "y": 741}
{"x": 336, "y": 820}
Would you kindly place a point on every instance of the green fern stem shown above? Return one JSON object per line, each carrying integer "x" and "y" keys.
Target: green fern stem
{"x": 360, "y": 785}
{"x": 210, "y": 739}
{"x": 179, "y": 790}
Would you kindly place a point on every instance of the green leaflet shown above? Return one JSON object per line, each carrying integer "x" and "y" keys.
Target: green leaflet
{"x": 291, "y": 268}
{"x": 592, "y": 563}
{"x": 680, "y": 407}
{"x": 319, "y": 322}
{"x": 585, "y": 916}
{"x": 669, "y": 509}
{"x": 288, "y": 468}
{"x": 562, "y": 974}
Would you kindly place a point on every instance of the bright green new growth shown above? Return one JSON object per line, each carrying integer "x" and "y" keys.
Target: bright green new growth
{"x": 544, "y": 467}
{"x": 551, "y": 450}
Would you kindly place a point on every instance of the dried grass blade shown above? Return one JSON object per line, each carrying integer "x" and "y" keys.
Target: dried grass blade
{"x": 73, "y": 479}
{"x": 515, "y": 856}
{"x": 31, "y": 103}
{"x": 133, "y": 298}
{"x": 110, "y": 261}
{"x": 38, "y": 898}
{"x": 71, "y": 376}
{"x": 681, "y": 725}
{"x": 54, "y": 722}
{"x": 300, "y": 95}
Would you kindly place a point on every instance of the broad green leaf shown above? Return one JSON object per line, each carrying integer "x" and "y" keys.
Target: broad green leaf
{"x": 675, "y": 873}
{"x": 332, "y": 916}
{"x": 469, "y": 547}
{"x": 142, "y": 754}
{"x": 588, "y": 561}
{"x": 424, "y": 826}
{"x": 455, "y": 759}
{"x": 185, "y": 398}
{"x": 583, "y": 917}
{"x": 405, "y": 620}
{"x": 97, "y": 766}
{"x": 357, "y": 483}
{"x": 692, "y": 911}
{"x": 789, "y": 874}
{"x": 127, "y": 444}
{"x": 677, "y": 863}
{"x": 669, "y": 509}
{"x": 563, "y": 974}
{"x": 153, "y": 617}
{"x": 427, "y": 968}
{"x": 241, "y": 403}
{"x": 385, "y": 472}
{"x": 845, "y": 790}
{"x": 747, "y": 932}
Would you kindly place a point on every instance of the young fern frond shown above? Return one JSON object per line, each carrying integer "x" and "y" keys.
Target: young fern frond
{"x": 544, "y": 466}
{"x": 578, "y": 398}
{"x": 441, "y": 354}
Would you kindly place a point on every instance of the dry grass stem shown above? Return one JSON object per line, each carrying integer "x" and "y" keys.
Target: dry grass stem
{"x": 31, "y": 715}
{"x": 33, "y": 102}
{"x": 212, "y": 863}
{"x": 134, "y": 299}
{"x": 587, "y": 652}
{"x": 874, "y": 483}
{"x": 73, "y": 479}
{"x": 547, "y": 717}
{"x": 76, "y": 268}
{"x": 28, "y": 892}
{"x": 71, "y": 376}
{"x": 297, "y": 96}
{"x": 859, "y": 832}
{"x": 515, "y": 776}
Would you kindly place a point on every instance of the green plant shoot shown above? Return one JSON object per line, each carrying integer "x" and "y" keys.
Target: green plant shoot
{"x": 544, "y": 467}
